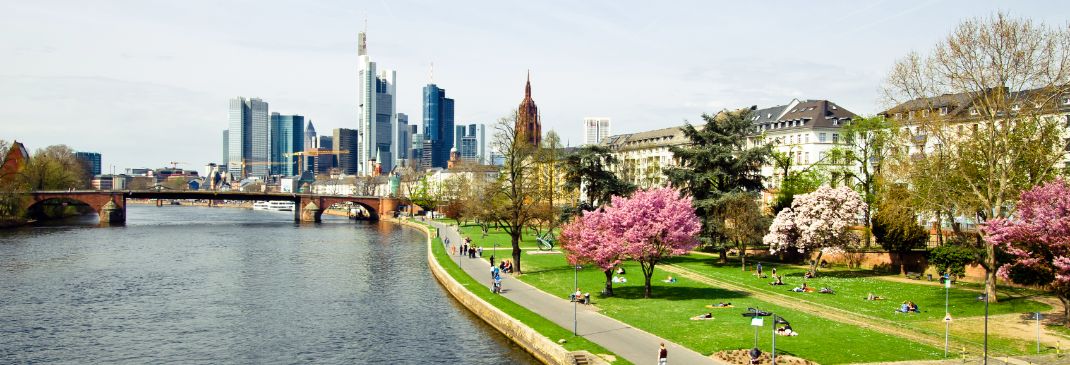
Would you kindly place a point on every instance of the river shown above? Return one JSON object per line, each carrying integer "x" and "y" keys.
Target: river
{"x": 218, "y": 285}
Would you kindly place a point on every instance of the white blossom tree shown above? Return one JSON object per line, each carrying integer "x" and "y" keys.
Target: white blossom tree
{"x": 818, "y": 220}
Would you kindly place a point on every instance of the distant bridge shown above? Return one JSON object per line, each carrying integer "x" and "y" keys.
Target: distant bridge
{"x": 111, "y": 205}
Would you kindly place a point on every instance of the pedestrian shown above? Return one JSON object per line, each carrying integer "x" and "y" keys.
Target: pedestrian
{"x": 663, "y": 355}
{"x": 479, "y": 251}
{"x": 491, "y": 259}
{"x": 759, "y": 269}
{"x": 464, "y": 249}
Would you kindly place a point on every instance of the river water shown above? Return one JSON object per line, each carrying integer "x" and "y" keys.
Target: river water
{"x": 217, "y": 285}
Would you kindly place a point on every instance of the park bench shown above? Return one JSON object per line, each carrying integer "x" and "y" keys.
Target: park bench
{"x": 584, "y": 299}
{"x": 914, "y": 275}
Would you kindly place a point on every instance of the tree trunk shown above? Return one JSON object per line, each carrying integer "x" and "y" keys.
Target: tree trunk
{"x": 902, "y": 267}
{"x": 648, "y": 272}
{"x": 815, "y": 262}
{"x": 1066, "y": 310}
{"x": 515, "y": 235}
{"x": 609, "y": 282}
{"x": 990, "y": 273}
{"x": 722, "y": 255}
{"x": 743, "y": 259}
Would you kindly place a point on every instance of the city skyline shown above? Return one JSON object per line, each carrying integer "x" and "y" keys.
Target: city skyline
{"x": 142, "y": 81}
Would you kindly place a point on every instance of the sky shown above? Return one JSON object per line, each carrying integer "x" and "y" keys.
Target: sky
{"x": 148, "y": 82}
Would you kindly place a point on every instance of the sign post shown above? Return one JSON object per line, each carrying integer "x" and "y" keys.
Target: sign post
{"x": 757, "y": 322}
{"x": 1038, "y": 333}
{"x": 947, "y": 316}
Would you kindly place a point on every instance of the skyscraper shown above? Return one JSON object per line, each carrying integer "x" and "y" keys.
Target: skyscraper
{"x": 287, "y": 139}
{"x": 595, "y": 130}
{"x": 310, "y": 137}
{"x": 528, "y": 125}
{"x": 226, "y": 149}
{"x": 345, "y": 142}
{"x": 438, "y": 126}
{"x": 471, "y": 143}
{"x": 249, "y": 138}
{"x": 377, "y": 127}
{"x": 90, "y": 160}
{"x": 404, "y": 141}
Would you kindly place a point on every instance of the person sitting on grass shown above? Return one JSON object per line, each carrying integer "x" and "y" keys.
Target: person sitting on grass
{"x": 913, "y": 307}
{"x": 779, "y": 279}
{"x": 809, "y": 274}
{"x": 905, "y": 307}
{"x": 719, "y": 305}
{"x": 825, "y": 290}
{"x": 702, "y": 317}
{"x": 871, "y": 296}
{"x": 670, "y": 280}
{"x": 620, "y": 270}
{"x": 786, "y": 330}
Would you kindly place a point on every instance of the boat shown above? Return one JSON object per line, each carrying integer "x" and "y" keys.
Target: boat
{"x": 274, "y": 206}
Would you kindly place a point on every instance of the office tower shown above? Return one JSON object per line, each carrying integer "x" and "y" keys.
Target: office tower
{"x": 528, "y": 124}
{"x": 344, "y": 143}
{"x": 248, "y": 138}
{"x": 326, "y": 142}
{"x": 404, "y": 141}
{"x": 472, "y": 143}
{"x": 595, "y": 130}
{"x": 89, "y": 160}
{"x": 377, "y": 126}
{"x": 325, "y": 160}
{"x": 438, "y": 126}
{"x": 458, "y": 134}
{"x": 287, "y": 139}
{"x": 416, "y": 149}
{"x": 310, "y": 137}
{"x": 226, "y": 149}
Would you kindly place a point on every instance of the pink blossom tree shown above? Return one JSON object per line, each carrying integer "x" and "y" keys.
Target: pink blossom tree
{"x": 1038, "y": 238}
{"x": 815, "y": 221}
{"x": 654, "y": 225}
{"x": 591, "y": 238}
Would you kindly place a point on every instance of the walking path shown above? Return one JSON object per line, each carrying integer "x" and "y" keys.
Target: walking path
{"x": 633, "y": 344}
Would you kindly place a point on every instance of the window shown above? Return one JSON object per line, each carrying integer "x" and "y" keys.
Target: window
{"x": 973, "y": 111}
{"x": 835, "y": 122}
{"x": 1066, "y": 100}
{"x": 798, "y": 157}
{"x": 820, "y": 156}
{"x": 806, "y": 138}
{"x": 1068, "y": 121}
{"x": 1016, "y": 107}
{"x": 821, "y": 136}
{"x": 835, "y": 138}
{"x": 910, "y": 115}
{"x": 898, "y": 115}
{"x": 806, "y": 157}
{"x": 943, "y": 111}
{"x": 925, "y": 113}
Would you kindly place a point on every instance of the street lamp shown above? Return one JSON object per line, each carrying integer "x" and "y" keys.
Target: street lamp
{"x": 986, "y": 320}
{"x": 575, "y": 284}
{"x": 947, "y": 315}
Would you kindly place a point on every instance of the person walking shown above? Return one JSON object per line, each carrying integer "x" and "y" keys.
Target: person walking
{"x": 663, "y": 355}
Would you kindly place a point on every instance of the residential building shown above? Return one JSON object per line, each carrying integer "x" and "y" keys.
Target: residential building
{"x": 438, "y": 126}
{"x": 248, "y": 139}
{"x": 287, "y": 141}
{"x": 528, "y": 121}
{"x": 641, "y": 157}
{"x": 14, "y": 162}
{"x": 595, "y": 129}
{"x": 804, "y": 130}
{"x": 90, "y": 161}
{"x": 344, "y": 143}
{"x": 378, "y": 124}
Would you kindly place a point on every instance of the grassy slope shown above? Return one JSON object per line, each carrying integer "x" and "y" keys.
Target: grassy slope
{"x": 529, "y": 318}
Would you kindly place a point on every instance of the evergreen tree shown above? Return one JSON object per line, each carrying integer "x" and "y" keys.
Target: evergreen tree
{"x": 591, "y": 168}
{"x": 715, "y": 164}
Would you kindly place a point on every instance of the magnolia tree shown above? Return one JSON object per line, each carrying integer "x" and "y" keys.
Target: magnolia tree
{"x": 1038, "y": 239}
{"x": 816, "y": 221}
{"x": 590, "y": 238}
{"x": 654, "y": 225}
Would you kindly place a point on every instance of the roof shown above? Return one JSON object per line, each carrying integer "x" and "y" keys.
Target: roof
{"x": 959, "y": 104}
{"x": 806, "y": 114}
{"x": 648, "y": 139}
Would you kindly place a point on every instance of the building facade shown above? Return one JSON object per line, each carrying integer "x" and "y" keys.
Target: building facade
{"x": 344, "y": 142}
{"x": 528, "y": 123}
{"x": 805, "y": 131}
{"x": 90, "y": 161}
{"x": 471, "y": 143}
{"x": 248, "y": 138}
{"x": 438, "y": 126}
{"x": 404, "y": 140}
{"x": 641, "y": 157}
{"x": 378, "y": 124}
{"x": 287, "y": 140}
{"x": 595, "y": 129}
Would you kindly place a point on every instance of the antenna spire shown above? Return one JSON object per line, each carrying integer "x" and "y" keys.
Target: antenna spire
{"x": 432, "y": 72}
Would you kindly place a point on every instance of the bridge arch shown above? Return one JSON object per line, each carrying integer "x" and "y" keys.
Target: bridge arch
{"x": 111, "y": 207}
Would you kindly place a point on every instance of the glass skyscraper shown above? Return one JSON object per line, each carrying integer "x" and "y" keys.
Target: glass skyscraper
{"x": 438, "y": 126}
{"x": 345, "y": 142}
{"x": 377, "y": 127}
{"x": 248, "y": 138}
{"x": 287, "y": 138}
{"x": 90, "y": 160}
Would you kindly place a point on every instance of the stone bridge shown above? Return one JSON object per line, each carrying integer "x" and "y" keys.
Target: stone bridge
{"x": 111, "y": 205}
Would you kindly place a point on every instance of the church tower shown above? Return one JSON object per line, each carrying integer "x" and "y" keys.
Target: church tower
{"x": 528, "y": 125}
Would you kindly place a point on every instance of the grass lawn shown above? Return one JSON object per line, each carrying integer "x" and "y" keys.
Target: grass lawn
{"x": 531, "y": 319}
{"x": 667, "y": 313}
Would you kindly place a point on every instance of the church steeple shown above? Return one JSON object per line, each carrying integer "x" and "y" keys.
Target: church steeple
{"x": 527, "y": 88}
{"x": 527, "y": 117}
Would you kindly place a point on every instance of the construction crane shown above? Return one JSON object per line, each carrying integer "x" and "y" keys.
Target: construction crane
{"x": 174, "y": 164}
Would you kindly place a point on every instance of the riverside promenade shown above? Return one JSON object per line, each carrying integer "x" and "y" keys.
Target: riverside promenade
{"x": 633, "y": 344}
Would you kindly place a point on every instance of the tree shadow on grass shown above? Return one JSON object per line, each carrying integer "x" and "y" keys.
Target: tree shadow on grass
{"x": 678, "y": 291}
{"x": 787, "y": 270}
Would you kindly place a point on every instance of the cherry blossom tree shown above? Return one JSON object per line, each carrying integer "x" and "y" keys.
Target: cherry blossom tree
{"x": 1038, "y": 239}
{"x": 591, "y": 238}
{"x": 654, "y": 225}
{"x": 815, "y": 221}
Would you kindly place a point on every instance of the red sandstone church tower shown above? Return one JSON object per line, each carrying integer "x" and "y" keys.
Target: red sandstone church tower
{"x": 528, "y": 126}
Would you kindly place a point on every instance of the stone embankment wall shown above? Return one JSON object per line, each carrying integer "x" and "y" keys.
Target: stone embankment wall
{"x": 538, "y": 345}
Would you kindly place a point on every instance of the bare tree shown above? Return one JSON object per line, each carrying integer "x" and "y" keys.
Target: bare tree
{"x": 517, "y": 190}
{"x": 985, "y": 96}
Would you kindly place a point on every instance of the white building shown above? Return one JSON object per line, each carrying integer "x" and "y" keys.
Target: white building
{"x": 595, "y": 129}
{"x": 804, "y": 130}
{"x": 642, "y": 156}
{"x": 378, "y": 121}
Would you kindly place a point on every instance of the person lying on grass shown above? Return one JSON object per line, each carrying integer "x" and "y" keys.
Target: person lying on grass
{"x": 702, "y": 317}
{"x": 871, "y": 296}
{"x": 670, "y": 280}
{"x": 786, "y": 331}
{"x": 719, "y": 305}
{"x": 826, "y": 291}
{"x": 803, "y": 289}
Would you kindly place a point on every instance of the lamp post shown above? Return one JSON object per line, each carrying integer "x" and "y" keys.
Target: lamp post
{"x": 575, "y": 284}
{"x": 947, "y": 313}
{"x": 986, "y": 321}
{"x": 772, "y": 354}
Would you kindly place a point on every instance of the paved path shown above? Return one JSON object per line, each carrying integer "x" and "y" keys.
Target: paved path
{"x": 635, "y": 345}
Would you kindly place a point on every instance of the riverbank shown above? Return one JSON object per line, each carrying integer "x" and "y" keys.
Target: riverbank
{"x": 524, "y": 327}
